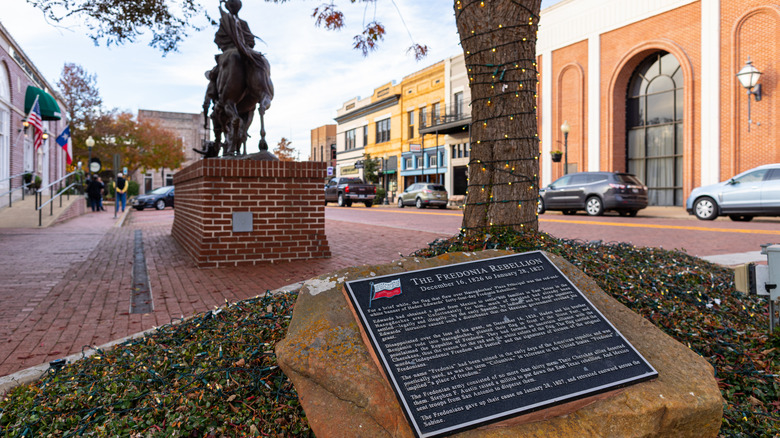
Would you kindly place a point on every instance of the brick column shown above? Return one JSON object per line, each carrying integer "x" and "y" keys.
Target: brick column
{"x": 285, "y": 200}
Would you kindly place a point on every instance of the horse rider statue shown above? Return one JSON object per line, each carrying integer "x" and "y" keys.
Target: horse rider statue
{"x": 239, "y": 83}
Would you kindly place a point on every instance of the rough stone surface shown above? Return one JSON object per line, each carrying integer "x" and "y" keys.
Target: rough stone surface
{"x": 345, "y": 394}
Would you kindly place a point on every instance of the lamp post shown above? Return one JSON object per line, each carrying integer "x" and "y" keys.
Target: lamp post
{"x": 748, "y": 77}
{"x": 565, "y": 128}
{"x": 90, "y": 142}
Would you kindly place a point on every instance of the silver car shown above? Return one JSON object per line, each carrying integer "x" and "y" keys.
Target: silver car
{"x": 423, "y": 195}
{"x": 749, "y": 194}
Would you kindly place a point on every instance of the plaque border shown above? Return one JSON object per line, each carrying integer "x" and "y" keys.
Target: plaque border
{"x": 357, "y": 310}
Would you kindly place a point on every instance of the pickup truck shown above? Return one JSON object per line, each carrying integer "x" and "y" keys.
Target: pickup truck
{"x": 345, "y": 191}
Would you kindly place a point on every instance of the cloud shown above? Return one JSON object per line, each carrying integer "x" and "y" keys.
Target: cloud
{"x": 314, "y": 71}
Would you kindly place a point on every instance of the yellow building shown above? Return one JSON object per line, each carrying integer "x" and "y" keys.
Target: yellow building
{"x": 418, "y": 130}
{"x": 422, "y": 100}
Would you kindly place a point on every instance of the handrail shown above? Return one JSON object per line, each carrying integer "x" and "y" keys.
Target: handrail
{"x": 55, "y": 182}
{"x": 10, "y": 185}
{"x": 39, "y": 204}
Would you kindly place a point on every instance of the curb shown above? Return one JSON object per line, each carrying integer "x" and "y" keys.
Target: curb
{"x": 28, "y": 375}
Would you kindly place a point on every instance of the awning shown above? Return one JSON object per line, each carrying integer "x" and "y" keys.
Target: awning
{"x": 49, "y": 108}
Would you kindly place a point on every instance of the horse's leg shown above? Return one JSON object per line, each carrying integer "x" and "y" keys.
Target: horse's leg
{"x": 263, "y": 146}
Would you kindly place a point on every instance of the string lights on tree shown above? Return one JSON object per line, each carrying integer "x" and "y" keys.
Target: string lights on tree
{"x": 499, "y": 42}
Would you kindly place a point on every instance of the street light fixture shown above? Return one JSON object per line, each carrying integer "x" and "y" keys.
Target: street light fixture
{"x": 748, "y": 77}
{"x": 90, "y": 143}
{"x": 565, "y": 128}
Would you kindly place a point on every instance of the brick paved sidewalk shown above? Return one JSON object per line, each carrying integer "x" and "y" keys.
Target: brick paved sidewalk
{"x": 70, "y": 285}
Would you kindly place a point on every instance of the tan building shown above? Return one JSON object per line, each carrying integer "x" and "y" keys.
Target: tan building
{"x": 323, "y": 146}
{"x": 368, "y": 126}
{"x": 190, "y": 131}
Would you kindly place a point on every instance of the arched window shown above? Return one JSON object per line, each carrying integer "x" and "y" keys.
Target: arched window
{"x": 654, "y": 120}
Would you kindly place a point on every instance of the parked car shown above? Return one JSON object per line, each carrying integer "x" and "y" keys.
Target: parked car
{"x": 345, "y": 191}
{"x": 594, "y": 192}
{"x": 158, "y": 198}
{"x": 741, "y": 198}
{"x": 422, "y": 195}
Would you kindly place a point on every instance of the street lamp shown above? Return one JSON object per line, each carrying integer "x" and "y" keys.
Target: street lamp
{"x": 90, "y": 142}
{"x": 748, "y": 77}
{"x": 565, "y": 128}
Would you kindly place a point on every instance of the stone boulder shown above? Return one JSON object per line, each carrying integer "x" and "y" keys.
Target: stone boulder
{"x": 345, "y": 394}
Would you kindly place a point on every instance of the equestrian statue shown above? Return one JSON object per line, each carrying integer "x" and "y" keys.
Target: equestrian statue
{"x": 239, "y": 83}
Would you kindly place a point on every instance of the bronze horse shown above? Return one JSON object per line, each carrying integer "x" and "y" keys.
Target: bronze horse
{"x": 240, "y": 82}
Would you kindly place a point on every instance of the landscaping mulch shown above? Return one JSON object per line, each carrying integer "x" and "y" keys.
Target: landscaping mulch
{"x": 215, "y": 374}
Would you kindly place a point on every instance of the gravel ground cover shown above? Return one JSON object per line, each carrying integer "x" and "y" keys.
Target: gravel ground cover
{"x": 215, "y": 374}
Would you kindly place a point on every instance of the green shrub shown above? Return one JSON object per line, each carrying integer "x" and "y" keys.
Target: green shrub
{"x": 380, "y": 196}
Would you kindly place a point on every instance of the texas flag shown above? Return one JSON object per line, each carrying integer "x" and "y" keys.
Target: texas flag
{"x": 66, "y": 143}
{"x": 387, "y": 289}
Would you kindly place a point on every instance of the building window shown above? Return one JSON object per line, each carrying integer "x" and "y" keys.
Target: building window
{"x": 408, "y": 163}
{"x": 322, "y": 153}
{"x": 349, "y": 140}
{"x": 411, "y": 123}
{"x": 435, "y": 109}
{"x": 654, "y": 121}
{"x": 169, "y": 179}
{"x": 433, "y": 161}
{"x": 457, "y": 105}
{"x": 365, "y": 135}
{"x": 383, "y": 131}
{"x": 333, "y": 152}
{"x": 423, "y": 115}
{"x": 419, "y": 163}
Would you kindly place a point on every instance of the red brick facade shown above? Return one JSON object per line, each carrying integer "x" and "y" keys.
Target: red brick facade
{"x": 286, "y": 201}
{"x": 747, "y": 28}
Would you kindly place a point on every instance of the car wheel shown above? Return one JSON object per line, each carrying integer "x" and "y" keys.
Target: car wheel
{"x": 594, "y": 207}
{"x": 369, "y": 204}
{"x": 569, "y": 212}
{"x": 540, "y": 208}
{"x": 400, "y": 202}
{"x": 419, "y": 203}
{"x": 341, "y": 201}
{"x": 160, "y": 204}
{"x": 740, "y": 217}
{"x": 705, "y": 209}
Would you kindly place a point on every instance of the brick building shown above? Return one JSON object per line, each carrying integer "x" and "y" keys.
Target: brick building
{"x": 189, "y": 129}
{"x": 20, "y": 83}
{"x": 651, "y": 88}
{"x": 323, "y": 145}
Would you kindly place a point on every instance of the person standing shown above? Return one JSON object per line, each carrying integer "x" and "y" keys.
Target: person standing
{"x": 95, "y": 190}
{"x": 120, "y": 189}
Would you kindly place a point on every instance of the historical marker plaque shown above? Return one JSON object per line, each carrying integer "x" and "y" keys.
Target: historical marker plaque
{"x": 472, "y": 343}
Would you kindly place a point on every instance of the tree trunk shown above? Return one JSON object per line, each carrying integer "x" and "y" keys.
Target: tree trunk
{"x": 499, "y": 43}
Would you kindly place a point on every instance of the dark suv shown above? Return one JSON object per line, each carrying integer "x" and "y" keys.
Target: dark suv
{"x": 594, "y": 192}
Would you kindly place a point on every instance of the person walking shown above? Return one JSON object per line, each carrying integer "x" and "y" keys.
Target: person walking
{"x": 101, "y": 193}
{"x": 120, "y": 189}
{"x": 94, "y": 190}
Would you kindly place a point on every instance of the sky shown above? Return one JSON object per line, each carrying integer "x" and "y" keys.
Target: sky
{"x": 314, "y": 71}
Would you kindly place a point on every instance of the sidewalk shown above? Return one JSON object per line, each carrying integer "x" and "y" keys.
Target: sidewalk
{"x": 70, "y": 285}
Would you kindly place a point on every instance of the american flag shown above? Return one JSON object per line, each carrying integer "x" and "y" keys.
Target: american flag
{"x": 34, "y": 119}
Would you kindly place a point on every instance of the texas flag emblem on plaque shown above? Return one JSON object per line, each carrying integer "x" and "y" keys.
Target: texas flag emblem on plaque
{"x": 387, "y": 289}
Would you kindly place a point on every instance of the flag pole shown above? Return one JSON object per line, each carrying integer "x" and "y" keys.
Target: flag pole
{"x": 371, "y": 297}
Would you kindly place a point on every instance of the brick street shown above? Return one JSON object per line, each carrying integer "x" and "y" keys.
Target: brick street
{"x": 71, "y": 286}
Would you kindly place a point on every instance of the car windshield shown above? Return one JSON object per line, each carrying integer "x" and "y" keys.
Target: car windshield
{"x": 160, "y": 190}
{"x": 436, "y": 188}
{"x": 626, "y": 178}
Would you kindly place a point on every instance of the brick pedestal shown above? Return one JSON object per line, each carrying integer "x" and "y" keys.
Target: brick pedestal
{"x": 241, "y": 212}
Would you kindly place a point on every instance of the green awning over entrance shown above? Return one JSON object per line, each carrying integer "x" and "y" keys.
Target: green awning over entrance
{"x": 49, "y": 108}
